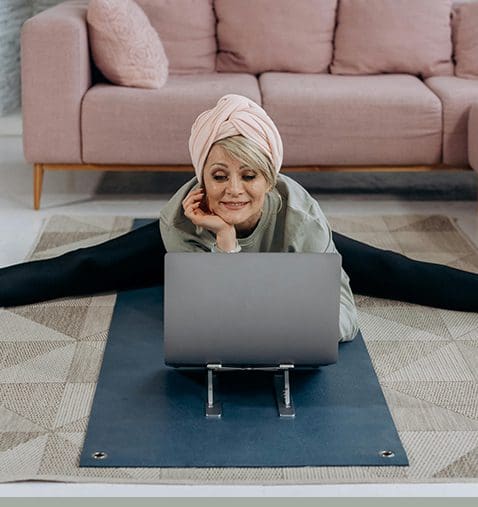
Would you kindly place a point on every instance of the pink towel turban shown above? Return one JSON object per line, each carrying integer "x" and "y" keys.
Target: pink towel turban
{"x": 234, "y": 115}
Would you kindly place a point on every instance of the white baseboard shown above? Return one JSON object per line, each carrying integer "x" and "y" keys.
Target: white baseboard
{"x": 11, "y": 124}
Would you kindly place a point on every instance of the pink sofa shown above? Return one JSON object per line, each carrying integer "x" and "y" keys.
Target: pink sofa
{"x": 396, "y": 104}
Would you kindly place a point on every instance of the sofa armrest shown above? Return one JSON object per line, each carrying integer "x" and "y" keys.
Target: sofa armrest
{"x": 56, "y": 73}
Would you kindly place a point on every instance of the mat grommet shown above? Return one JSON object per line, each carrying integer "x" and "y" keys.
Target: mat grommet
{"x": 387, "y": 454}
{"x": 99, "y": 455}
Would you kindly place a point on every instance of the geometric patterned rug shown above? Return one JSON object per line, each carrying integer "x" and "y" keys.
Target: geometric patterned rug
{"x": 426, "y": 360}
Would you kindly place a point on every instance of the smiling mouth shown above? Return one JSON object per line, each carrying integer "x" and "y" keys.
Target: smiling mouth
{"x": 234, "y": 205}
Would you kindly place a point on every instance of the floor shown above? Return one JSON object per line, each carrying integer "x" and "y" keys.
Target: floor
{"x": 83, "y": 193}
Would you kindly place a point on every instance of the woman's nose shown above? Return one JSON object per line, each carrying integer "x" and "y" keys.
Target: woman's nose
{"x": 234, "y": 185}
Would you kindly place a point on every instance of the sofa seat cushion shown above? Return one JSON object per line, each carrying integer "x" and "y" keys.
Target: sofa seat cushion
{"x": 457, "y": 95}
{"x": 137, "y": 126}
{"x": 354, "y": 120}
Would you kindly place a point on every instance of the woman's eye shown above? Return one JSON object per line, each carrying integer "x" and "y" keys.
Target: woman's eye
{"x": 221, "y": 177}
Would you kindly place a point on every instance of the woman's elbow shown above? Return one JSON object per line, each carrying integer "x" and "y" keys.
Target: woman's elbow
{"x": 349, "y": 328}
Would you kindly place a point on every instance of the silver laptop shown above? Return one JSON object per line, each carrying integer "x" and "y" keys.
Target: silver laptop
{"x": 251, "y": 309}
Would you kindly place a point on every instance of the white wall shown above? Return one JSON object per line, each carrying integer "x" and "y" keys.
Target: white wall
{"x": 12, "y": 15}
{"x": 41, "y": 5}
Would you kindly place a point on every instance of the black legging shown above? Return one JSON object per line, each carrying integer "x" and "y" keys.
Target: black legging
{"x": 135, "y": 260}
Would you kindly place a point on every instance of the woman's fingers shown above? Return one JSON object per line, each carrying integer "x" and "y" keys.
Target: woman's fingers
{"x": 194, "y": 193}
{"x": 192, "y": 205}
{"x": 193, "y": 196}
{"x": 191, "y": 211}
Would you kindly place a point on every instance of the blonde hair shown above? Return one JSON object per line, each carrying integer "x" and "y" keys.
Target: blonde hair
{"x": 248, "y": 152}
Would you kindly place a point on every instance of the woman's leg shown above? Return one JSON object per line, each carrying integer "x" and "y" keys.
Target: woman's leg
{"x": 386, "y": 274}
{"x": 135, "y": 260}
{"x": 132, "y": 260}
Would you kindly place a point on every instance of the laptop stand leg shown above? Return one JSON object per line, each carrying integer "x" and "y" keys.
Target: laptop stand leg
{"x": 283, "y": 397}
{"x": 213, "y": 408}
{"x": 285, "y": 404}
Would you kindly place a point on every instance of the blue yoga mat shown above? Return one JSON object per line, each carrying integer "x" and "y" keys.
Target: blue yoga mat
{"x": 146, "y": 414}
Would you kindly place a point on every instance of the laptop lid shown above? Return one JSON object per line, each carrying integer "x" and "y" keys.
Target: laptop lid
{"x": 251, "y": 309}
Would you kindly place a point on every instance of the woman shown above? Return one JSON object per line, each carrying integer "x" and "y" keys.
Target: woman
{"x": 238, "y": 202}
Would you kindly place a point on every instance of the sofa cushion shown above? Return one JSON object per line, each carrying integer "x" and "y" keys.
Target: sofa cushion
{"x": 188, "y": 32}
{"x": 262, "y": 35}
{"x": 456, "y": 94}
{"x": 473, "y": 136}
{"x": 124, "y": 45}
{"x": 354, "y": 120}
{"x": 396, "y": 36}
{"x": 465, "y": 35}
{"x": 136, "y": 126}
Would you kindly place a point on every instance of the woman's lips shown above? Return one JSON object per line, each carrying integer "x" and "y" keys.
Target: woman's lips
{"x": 234, "y": 206}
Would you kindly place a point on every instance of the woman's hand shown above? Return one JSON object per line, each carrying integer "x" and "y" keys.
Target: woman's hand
{"x": 201, "y": 215}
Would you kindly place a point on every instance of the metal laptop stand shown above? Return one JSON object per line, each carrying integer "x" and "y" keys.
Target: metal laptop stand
{"x": 285, "y": 405}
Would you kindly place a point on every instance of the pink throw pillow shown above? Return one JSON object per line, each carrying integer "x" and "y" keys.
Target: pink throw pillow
{"x": 275, "y": 35}
{"x": 124, "y": 45}
{"x": 465, "y": 34}
{"x": 393, "y": 36}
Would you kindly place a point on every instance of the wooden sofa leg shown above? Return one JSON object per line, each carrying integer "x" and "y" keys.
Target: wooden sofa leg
{"x": 37, "y": 184}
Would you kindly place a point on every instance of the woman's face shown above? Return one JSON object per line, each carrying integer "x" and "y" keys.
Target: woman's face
{"x": 234, "y": 191}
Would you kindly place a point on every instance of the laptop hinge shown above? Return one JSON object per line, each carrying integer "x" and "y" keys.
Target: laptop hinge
{"x": 284, "y": 401}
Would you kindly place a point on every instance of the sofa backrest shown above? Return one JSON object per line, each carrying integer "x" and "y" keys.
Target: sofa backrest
{"x": 187, "y": 29}
{"x": 393, "y": 36}
{"x": 341, "y": 36}
{"x": 465, "y": 38}
{"x": 257, "y": 36}
{"x": 305, "y": 36}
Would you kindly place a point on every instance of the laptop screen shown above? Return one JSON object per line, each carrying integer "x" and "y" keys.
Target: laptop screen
{"x": 251, "y": 309}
